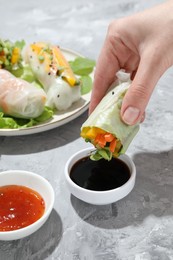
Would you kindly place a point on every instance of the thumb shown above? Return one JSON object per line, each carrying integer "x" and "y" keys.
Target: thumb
{"x": 139, "y": 93}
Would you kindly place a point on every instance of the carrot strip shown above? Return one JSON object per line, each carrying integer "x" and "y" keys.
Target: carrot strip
{"x": 109, "y": 137}
{"x": 100, "y": 140}
{"x": 113, "y": 145}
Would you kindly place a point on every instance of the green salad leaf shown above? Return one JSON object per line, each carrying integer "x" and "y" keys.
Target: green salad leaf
{"x": 16, "y": 72}
{"x": 82, "y": 66}
{"x": 86, "y": 84}
{"x": 47, "y": 114}
{"x": 9, "y": 122}
{"x": 20, "y": 44}
{"x": 101, "y": 154}
{"x": 25, "y": 73}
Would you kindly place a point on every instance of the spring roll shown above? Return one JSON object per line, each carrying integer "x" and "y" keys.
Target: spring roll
{"x": 104, "y": 127}
{"x": 53, "y": 71}
{"x": 19, "y": 98}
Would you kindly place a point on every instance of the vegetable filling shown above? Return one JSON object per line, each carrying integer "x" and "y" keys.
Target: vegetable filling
{"x": 107, "y": 144}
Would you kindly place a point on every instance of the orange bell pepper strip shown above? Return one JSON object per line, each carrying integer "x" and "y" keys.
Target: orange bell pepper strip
{"x": 15, "y": 55}
{"x": 62, "y": 62}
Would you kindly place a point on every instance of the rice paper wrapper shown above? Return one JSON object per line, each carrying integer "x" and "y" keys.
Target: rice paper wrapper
{"x": 106, "y": 115}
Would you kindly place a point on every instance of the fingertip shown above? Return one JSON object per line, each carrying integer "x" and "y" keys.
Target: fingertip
{"x": 131, "y": 115}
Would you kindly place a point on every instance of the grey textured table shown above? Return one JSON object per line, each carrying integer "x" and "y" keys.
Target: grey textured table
{"x": 138, "y": 227}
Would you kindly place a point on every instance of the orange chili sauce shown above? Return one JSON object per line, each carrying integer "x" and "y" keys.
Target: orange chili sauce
{"x": 20, "y": 206}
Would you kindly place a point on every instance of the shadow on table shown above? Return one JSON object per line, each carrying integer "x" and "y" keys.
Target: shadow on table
{"x": 37, "y": 246}
{"x": 152, "y": 195}
{"x": 42, "y": 141}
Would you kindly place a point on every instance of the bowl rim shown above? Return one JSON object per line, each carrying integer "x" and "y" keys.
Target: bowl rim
{"x": 125, "y": 158}
{"x": 46, "y": 212}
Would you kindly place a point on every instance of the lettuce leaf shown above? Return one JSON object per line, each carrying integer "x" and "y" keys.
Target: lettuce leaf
{"x": 8, "y": 122}
{"x": 101, "y": 154}
{"x": 20, "y": 44}
{"x": 86, "y": 84}
{"x": 26, "y": 74}
{"x": 82, "y": 66}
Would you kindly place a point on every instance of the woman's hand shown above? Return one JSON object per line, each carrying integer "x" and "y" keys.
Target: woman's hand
{"x": 141, "y": 44}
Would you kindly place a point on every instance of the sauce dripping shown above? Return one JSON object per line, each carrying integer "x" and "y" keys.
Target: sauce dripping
{"x": 100, "y": 175}
{"x": 20, "y": 206}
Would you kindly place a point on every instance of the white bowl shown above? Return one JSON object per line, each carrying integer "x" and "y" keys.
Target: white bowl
{"x": 37, "y": 183}
{"x": 99, "y": 197}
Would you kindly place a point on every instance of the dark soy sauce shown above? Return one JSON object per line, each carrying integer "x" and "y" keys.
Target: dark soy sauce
{"x": 100, "y": 175}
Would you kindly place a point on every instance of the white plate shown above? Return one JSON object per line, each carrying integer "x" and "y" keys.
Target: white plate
{"x": 59, "y": 118}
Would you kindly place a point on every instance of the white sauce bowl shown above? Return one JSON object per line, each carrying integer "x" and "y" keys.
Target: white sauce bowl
{"x": 38, "y": 184}
{"x": 99, "y": 197}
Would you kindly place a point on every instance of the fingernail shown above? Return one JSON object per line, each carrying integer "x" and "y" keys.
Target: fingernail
{"x": 131, "y": 115}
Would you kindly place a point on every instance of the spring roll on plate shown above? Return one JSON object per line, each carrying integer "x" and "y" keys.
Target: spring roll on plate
{"x": 19, "y": 98}
{"x": 53, "y": 71}
{"x": 104, "y": 127}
